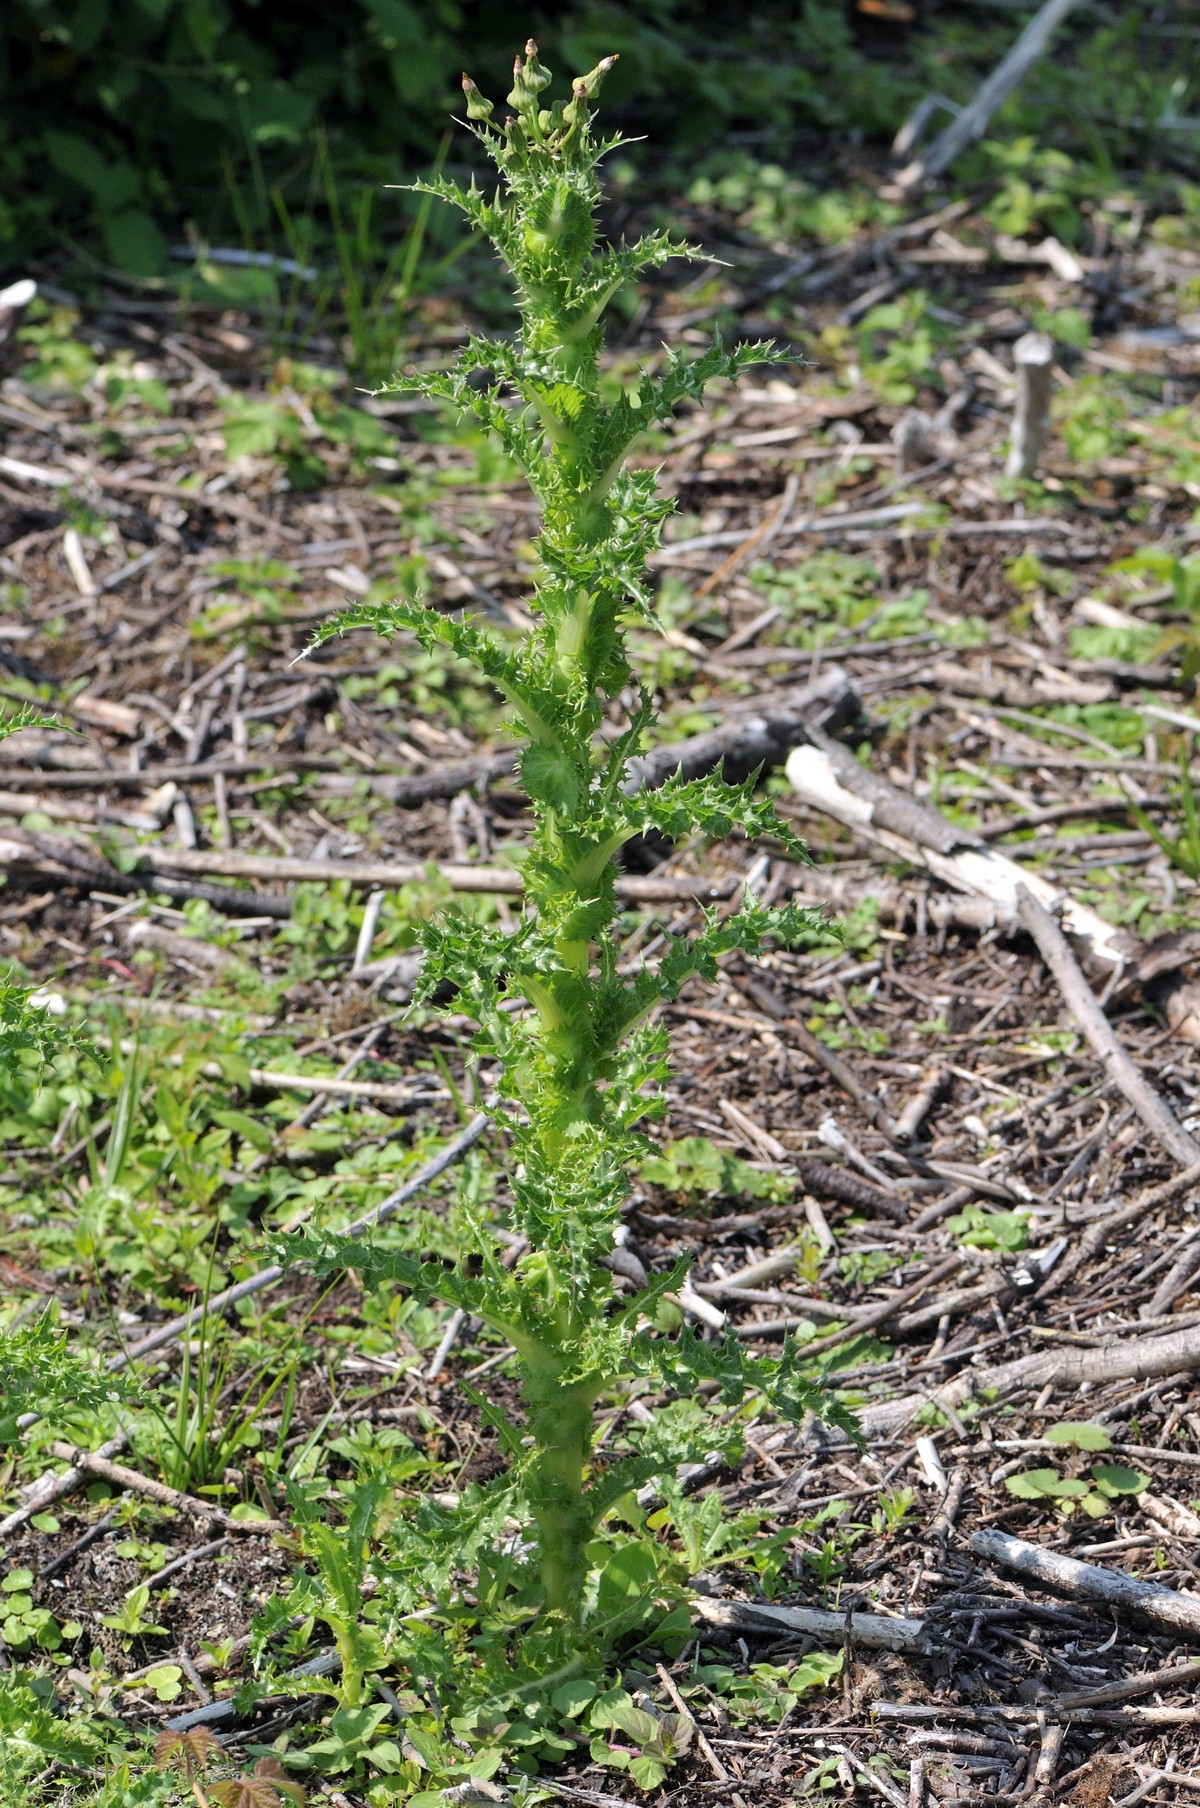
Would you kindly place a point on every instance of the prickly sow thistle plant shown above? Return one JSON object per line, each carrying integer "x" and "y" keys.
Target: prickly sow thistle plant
{"x": 582, "y": 1064}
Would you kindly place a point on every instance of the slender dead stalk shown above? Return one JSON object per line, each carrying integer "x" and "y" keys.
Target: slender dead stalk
{"x": 1081, "y": 1001}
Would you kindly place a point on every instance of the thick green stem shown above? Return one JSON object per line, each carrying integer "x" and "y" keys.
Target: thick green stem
{"x": 562, "y": 1430}
{"x": 352, "y": 1676}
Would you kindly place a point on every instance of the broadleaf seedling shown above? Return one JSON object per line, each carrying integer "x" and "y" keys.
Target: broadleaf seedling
{"x": 1108, "y": 1482}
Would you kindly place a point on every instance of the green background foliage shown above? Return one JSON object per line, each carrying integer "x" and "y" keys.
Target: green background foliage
{"x": 129, "y": 123}
{"x": 121, "y": 113}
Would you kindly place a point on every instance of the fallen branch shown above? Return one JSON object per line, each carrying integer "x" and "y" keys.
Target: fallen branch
{"x": 216, "y": 1713}
{"x": 1164, "y": 1607}
{"x": 1081, "y": 1001}
{"x": 830, "y": 1182}
{"x": 266, "y": 1277}
{"x": 380, "y": 1091}
{"x": 136, "y": 1483}
{"x": 836, "y": 521}
{"x": 95, "y": 777}
{"x": 51, "y": 1487}
{"x": 760, "y": 737}
{"x": 1178, "y": 1278}
{"x": 1113, "y": 1694}
{"x": 933, "y": 1083}
{"x": 1141, "y": 1359}
{"x": 155, "y": 863}
{"x": 409, "y": 792}
{"x": 829, "y": 778}
{"x": 864, "y": 1319}
{"x": 748, "y": 738}
{"x": 501, "y": 880}
{"x": 901, "y": 905}
{"x": 56, "y": 859}
{"x": 745, "y": 742}
{"x": 159, "y": 868}
{"x": 873, "y": 1631}
{"x": 972, "y": 121}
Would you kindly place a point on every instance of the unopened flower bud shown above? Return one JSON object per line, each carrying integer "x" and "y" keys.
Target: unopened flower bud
{"x": 478, "y": 107}
{"x": 522, "y": 96}
{"x": 537, "y": 76}
{"x": 587, "y": 86}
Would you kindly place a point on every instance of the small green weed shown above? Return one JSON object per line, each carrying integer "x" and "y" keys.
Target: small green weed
{"x": 131, "y": 1620}
{"x": 899, "y": 347}
{"x": 914, "y": 613}
{"x": 1120, "y": 729}
{"x": 124, "y": 383}
{"x": 1183, "y": 577}
{"x": 766, "y": 1693}
{"x": 325, "y": 921}
{"x": 762, "y": 198}
{"x": 652, "y": 1740}
{"x": 35, "y": 1738}
{"x": 1041, "y": 189}
{"x": 38, "y": 1374}
{"x": 210, "y": 1417}
{"x": 1028, "y": 575}
{"x": 431, "y": 683}
{"x": 377, "y": 295}
{"x": 164, "y": 1682}
{"x": 892, "y": 1513}
{"x": 1109, "y": 1482}
{"x": 694, "y": 1168}
{"x": 830, "y": 1022}
{"x": 300, "y": 411}
{"x": 833, "y": 587}
{"x": 1091, "y": 417}
{"x": 1069, "y": 327}
{"x": 25, "y": 1627}
{"x": 979, "y": 1228}
{"x": 865, "y": 1267}
{"x": 60, "y": 362}
{"x": 1172, "y": 435}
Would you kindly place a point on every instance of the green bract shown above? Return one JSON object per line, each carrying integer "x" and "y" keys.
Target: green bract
{"x": 581, "y": 1057}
